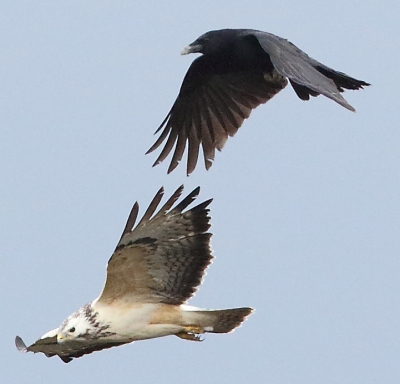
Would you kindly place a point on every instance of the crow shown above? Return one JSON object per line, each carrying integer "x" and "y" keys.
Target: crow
{"x": 239, "y": 69}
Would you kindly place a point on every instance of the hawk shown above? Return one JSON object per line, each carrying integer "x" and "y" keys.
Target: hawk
{"x": 239, "y": 69}
{"x": 155, "y": 268}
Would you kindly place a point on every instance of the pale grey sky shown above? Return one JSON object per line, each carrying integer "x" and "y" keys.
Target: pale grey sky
{"x": 306, "y": 196}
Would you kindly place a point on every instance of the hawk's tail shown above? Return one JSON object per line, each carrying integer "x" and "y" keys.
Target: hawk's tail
{"x": 226, "y": 320}
{"x": 215, "y": 321}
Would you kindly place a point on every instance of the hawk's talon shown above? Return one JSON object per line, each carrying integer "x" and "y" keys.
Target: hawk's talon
{"x": 190, "y": 334}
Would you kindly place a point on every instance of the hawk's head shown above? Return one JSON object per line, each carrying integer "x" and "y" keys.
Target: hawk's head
{"x": 82, "y": 325}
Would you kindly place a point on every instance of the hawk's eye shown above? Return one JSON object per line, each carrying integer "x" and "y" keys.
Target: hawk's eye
{"x": 72, "y": 330}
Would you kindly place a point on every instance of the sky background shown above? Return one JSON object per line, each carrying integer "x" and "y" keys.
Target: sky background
{"x": 306, "y": 196}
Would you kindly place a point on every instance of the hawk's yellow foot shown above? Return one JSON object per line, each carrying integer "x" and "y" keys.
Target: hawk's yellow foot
{"x": 189, "y": 336}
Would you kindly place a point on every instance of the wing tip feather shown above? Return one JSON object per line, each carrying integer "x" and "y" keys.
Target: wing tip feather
{"x": 21, "y": 346}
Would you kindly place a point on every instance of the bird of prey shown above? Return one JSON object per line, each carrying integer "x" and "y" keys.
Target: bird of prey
{"x": 239, "y": 69}
{"x": 155, "y": 268}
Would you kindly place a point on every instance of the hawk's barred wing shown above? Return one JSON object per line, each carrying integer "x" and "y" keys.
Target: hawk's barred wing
{"x": 162, "y": 259}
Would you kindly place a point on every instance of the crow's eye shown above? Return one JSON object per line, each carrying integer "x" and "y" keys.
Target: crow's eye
{"x": 72, "y": 330}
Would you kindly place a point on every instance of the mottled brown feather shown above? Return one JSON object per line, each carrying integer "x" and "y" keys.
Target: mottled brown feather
{"x": 162, "y": 259}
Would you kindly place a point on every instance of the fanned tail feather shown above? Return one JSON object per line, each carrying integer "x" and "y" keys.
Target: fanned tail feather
{"x": 217, "y": 321}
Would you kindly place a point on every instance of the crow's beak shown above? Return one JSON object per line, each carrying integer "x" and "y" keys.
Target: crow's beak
{"x": 192, "y": 48}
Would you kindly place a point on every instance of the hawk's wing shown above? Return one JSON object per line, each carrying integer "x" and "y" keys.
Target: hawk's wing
{"x": 212, "y": 104}
{"x": 307, "y": 76}
{"x": 66, "y": 351}
{"x": 163, "y": 259}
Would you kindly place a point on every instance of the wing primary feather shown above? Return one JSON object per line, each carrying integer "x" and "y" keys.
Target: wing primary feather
{"x": 199, "y": 121}
{"x": 175, "y": 126}
{"x": 194, "y": 138}
{"x": 152, "y": 207}
{"x": 173, "y": 134}
{"x": 164, "y": 121}
{"x": 171, "y": 201}
{"x": 160, "y": 139}
{"x": 19, "y": 343}
{"x": 131, "y": 220}
{"x": 181, "y": 143}
{"x": 163, "y": 135}
{"x": 193, "y": 150}
{"x": 203, "y": 205}
{"x": 186, "y": 201}
{"x": 341, "y": 79}
{"x": 208, "y": 148}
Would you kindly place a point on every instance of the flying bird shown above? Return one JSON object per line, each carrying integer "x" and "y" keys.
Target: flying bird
{"x": 155, "y": 268}
{"x": 239, "y": 69}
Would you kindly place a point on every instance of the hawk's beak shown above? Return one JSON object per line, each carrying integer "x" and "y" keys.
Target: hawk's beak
{"x": 192, "y": 48}
{"x": 60, "y": 337}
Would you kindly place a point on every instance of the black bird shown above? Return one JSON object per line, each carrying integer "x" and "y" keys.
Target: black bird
{"x": 239, "y": 70}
